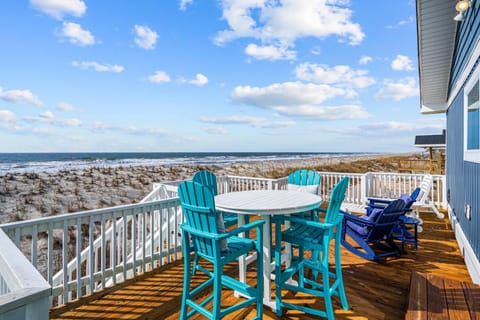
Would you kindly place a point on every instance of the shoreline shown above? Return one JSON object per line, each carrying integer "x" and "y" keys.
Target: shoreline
{"x": 25, "y": 196}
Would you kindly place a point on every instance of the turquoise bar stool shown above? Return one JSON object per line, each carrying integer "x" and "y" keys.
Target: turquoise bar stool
{"x": 200, "y": 227}
{"x": 315, "y": 236}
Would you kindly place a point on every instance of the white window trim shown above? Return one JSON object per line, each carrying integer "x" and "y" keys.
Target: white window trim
{"x": 469, "y": 155}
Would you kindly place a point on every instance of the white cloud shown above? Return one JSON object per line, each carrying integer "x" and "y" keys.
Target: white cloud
{"x": 73, "y": 122}
{"x": 365, "y": 60}
{"x": 77, "y": 35}
{"x": 287, "y": 93}
{"x": 274, "y": 124}
{"x": 200, "y": 80}
{"x": 256, "y": 122}
{"x": 232, "y": 120}
{"x": 159, "y": 77}
{"x": 50, "y": 118}
{"x": 59, "y": 8}
{"x": 287, "y": 20}
{"x": 98, "y": 67}
{"x": 66, "y": 107}
{"x": 270, "y": 52}
{"x": 7, "y": 116}
{"x": 184, "y": 4}
{"x": 394, "y": 128}
{"x": 20, "y": 96}
{"x": 145, "y": 37}
{"x": 215, "y": 130}
{"x": 103, "y": 127}
{"x": 402, "y": 63}
{"x": 404, "y": 88}
{"x": 340, "y": 75}
{"x": 403, "y": 22}
{"x": 312, "y": 112}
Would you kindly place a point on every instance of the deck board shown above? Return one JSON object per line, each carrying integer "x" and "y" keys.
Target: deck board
{"x": 375, "y": 290}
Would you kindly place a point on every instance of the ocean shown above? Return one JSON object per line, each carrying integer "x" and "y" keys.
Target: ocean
{"x": 52, "y": 162}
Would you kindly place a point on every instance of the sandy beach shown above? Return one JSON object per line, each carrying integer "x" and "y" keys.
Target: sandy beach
{"x": 26, "y": 196}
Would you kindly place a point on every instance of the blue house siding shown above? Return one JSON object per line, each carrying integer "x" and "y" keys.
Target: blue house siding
{"x": 468, "y": 33}
{"x": 463, "y": 183}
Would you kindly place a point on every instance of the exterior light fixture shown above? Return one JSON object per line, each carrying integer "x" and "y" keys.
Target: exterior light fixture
{"x": 461, "y": 7}
{"x": 459, "y": 17}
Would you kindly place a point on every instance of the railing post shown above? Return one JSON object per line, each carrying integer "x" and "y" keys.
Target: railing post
{"x": 365, "y": 186}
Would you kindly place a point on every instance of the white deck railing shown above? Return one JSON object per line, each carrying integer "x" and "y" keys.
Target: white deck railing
{"x": 24, "y": 293}
{"x": 53, "y": 244}
{"x": 84, "y": 252}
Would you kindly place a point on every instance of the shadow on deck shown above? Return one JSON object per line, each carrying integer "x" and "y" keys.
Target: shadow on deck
{"x": 375, "y": 290}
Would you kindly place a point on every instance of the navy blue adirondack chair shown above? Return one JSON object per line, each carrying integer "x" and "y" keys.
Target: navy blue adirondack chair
{"x": 200, "y": 227}
{"x": 315, "y": 236}
{"x": 373, "y": 234}
{"x": 376, "y": 203}
{"x": 401, "y": 231}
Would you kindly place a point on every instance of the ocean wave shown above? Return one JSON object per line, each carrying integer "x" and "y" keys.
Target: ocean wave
{"x": 53, "y": 162}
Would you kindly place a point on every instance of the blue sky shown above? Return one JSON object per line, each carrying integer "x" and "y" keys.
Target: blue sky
{"x": 210, "y": 75}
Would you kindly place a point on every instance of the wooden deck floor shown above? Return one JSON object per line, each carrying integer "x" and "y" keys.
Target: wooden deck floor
{"x": 374, "y": 290}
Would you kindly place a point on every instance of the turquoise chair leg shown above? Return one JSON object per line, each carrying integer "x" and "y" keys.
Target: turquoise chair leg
{"x": 260, "y": 283}
{"x": 338, "y": 271}
{"x": 301, "y": 269}
{"x": 186, "y": 281}
{"x": 278, "y": 274}
{"x": 327, "y": 298}
{"x": 195, "y": 263}
{"x": 217, "y": 290}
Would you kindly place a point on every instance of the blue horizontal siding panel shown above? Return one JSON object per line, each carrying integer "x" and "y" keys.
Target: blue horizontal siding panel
{"x": 463, "y": 183}
{"x": 468, "y": 33}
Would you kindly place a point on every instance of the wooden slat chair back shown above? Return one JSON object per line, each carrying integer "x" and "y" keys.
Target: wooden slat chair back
{"x": 200, "y": 227}
{"x": 374, "y": 233}
{"x": 423, "y": 202}
{"x": 304, "y": 177}
{"x": 315, "y": 236}
{"x": 306, "y": 181}
{"x": 208, "y": 179}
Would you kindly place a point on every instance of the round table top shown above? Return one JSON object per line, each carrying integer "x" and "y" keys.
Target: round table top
{"x": 267, "y": 202}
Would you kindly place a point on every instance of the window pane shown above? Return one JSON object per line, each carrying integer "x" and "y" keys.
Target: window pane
{"x": 473, "y": 117}
{"x": 473, "y": 131}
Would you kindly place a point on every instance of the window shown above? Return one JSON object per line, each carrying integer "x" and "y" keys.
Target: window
{"x": 472, "y": 118}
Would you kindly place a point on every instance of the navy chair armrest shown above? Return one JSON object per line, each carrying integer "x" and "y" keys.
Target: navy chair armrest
{"x": 357, "y": 220}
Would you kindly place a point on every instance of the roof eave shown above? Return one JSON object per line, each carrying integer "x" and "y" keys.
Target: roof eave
{"x": 433, "y": 109}
{"x": 435, "y": 52}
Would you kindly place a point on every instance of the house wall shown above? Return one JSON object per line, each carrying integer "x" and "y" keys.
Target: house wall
{"x": 463, "y": 177}
{"x": 468, "y": 34}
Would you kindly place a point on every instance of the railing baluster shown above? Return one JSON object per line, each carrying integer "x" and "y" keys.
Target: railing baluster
{"x": 113, "y": 250}
{"x": 124, "y": 244}
{"x": 134, "y": 242}
{"x": 91, "y": 268}
{"x": 160, "y": 236}
{"x": 144, "y": 238}
{"x": 153, "y": 231}
{"x": 79, "y": 261}
{"x": 65, "y": 262}
{"x": 50, "y": 254}
{"x": 34, "y": 245}
{"x": 103, "y": 251}
{"x": 169, "y": 245}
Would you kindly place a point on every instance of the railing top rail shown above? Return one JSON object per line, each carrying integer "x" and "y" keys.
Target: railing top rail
{"x": 21, "y": 277}
{"x": 251, "y": 178}
{"x": 81, "y": 214}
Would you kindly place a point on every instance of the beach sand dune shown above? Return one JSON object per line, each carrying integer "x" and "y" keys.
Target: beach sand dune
{"x": 26, "y": 196}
